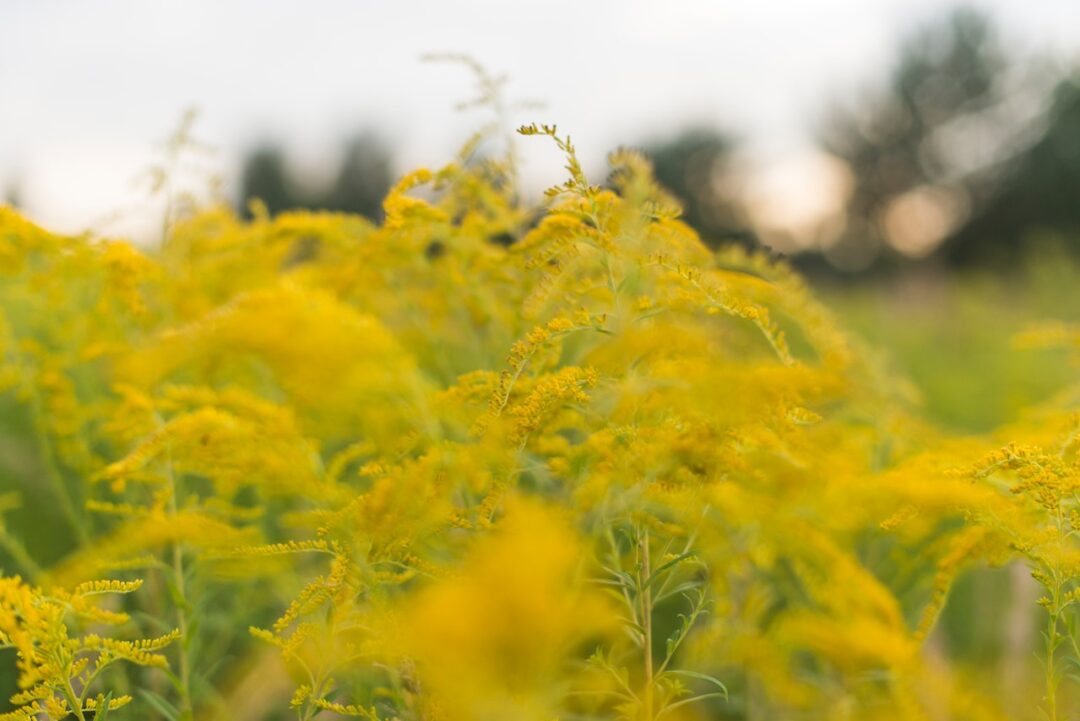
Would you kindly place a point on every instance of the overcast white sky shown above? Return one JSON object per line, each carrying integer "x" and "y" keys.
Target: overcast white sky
{"x": 87, "y": 88}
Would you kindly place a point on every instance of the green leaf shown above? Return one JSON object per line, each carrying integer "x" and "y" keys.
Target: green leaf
{"x": 102, "y": 713}
{"x": 655, "y": 575}
{"x": 701, "y": 677}
{"x": 692, "y": 699}
{"x": 644, "y": 315}
{"x": 682, "y": 588}
{"x": 160, "y": 705}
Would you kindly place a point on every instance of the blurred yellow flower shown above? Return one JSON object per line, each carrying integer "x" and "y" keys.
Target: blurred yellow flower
{"x": 497, "y": 640}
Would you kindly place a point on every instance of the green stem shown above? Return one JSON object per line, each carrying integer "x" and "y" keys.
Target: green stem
{"x": 317, "y": 691}
{"x": 19, "y": 554}
{"x": 646, "y": 622}
{"x": 1051, "y": 646}
{"x": 73, "y": 701}
{"x": 89, "y": 682}
{"x": 180, "y": 586}
{"x": 1053, "y": 620}
{"x": 182, "y": 624}
{"x": 52, "y": 469}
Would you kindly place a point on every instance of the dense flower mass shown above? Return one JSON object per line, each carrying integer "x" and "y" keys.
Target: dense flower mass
{"x": 482, "y": 463}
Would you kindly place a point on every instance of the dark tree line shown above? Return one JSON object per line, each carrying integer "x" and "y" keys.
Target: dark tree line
{"x": 1036, "y": 192}
{"x": 363, "y": 177}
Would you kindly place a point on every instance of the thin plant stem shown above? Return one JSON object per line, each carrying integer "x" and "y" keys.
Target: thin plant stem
{"x": 646, "y": 622}
{"x": 180, "y": 586}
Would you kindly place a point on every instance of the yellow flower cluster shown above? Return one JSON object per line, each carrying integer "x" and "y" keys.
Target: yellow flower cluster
{"x": 58, "y": 671}
{"x": 477, "y": 462}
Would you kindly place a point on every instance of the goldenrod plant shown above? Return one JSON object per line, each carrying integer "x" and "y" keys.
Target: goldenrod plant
{"x": 481, "y": 462}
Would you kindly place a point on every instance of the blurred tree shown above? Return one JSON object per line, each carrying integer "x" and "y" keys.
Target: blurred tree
{"x": 13, "y": 195}
{"x": 363, "y": 178}
{"x": 910, "y": 176}
{"x": 694, "y": 165}
{"x": 1036, "y": 192}
{"x": 264, "y": 177}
